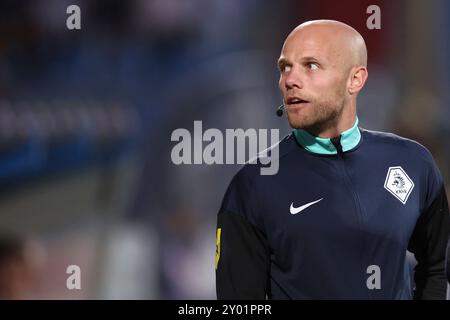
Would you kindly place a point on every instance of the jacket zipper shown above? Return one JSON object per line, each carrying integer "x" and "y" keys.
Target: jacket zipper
{"x": 359, "y": 214}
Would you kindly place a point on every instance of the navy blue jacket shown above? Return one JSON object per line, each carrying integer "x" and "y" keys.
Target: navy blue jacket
{"x": 335, "y": 222}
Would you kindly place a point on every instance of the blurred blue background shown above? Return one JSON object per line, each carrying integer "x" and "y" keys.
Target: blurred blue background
{"x": 86, "y": 118}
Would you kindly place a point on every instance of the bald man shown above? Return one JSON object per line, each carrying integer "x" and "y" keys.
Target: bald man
{"x": 347, "y": 204}
{"x": 324, "y": 64}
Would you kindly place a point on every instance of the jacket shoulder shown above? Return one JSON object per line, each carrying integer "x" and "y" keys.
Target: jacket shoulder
{"x": 252, "y": 168}
{"x": 411, "y": 147}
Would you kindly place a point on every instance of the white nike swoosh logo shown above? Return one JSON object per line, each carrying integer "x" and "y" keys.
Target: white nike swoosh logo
{"x": 303, "y": 207}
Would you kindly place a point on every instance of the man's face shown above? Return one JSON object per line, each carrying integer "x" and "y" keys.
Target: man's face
{"x": 313, "y": 80}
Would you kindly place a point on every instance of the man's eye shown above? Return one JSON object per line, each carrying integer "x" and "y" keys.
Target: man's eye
{"x": 285, "y": 68}
{"x": 312, "y": 66}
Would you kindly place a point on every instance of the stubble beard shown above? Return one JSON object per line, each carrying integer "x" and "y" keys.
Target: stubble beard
{"x": 321, "y": 115}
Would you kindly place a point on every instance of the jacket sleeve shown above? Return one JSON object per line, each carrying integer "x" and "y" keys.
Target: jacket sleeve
{"x": 429, "y": 243}
{"x": 242, "y": 250}
{"x": 448, "y": 268}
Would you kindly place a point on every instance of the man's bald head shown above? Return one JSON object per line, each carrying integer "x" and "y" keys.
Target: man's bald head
{"x": 343, "y": 39}
{"x": 323, "y": 62}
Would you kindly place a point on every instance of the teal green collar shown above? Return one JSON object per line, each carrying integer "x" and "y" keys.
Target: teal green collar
{"x": 349, "y": 140}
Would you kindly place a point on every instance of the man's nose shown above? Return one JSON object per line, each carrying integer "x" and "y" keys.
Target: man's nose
{"x": 293, "y": 80}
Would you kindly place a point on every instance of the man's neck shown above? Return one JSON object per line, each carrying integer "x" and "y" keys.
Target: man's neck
{"x": 345, "y": 141}
{"x": 334, "y": 129}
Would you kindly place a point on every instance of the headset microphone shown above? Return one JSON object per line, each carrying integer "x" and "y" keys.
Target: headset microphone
{"x": 280, "y": 110}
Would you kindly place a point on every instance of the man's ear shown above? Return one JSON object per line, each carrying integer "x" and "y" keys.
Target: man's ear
{"x": 358, "y": 77}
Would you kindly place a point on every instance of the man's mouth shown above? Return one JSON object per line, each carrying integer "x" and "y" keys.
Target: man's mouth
{"x": 296, "y": 101}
